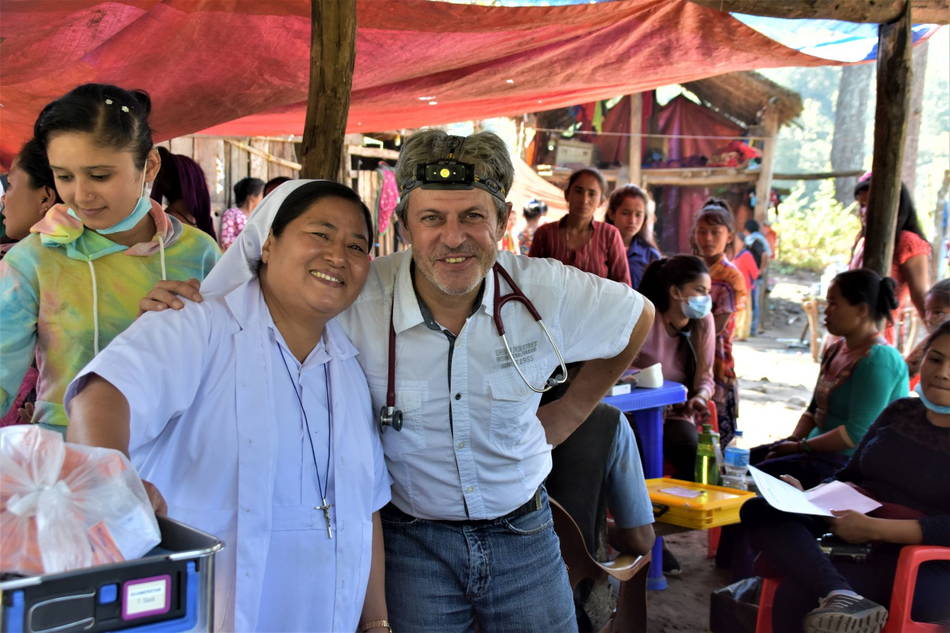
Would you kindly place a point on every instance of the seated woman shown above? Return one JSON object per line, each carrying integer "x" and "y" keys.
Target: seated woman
{"x": 250, "y": 414}
{"x": 629, "y": 210}
{"x": 577, "y": 239}
{"x": 860, "y": 375}
{"x": 683, "y": 340}
{"x": 901, "y": 463}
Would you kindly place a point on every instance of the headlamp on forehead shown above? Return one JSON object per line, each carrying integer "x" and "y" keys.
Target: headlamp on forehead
{"x": 452, "y": 175}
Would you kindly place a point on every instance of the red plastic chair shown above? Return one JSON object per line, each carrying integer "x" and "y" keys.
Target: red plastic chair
{"x": 902, "y": 595}
{"x": 905, "y": 581}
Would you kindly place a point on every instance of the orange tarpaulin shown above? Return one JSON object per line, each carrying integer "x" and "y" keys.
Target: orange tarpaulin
{"x": 241, "y": 67}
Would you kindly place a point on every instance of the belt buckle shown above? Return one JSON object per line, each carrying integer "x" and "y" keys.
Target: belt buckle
{"x": 536, "y": 500}
{"x": 531, "y": 505}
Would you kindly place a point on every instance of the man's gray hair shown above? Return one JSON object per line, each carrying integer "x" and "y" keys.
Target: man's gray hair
{"x": 485, "y": 150}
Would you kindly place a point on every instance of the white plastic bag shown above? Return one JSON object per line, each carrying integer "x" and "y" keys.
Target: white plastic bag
{"x": 66, "y": 506}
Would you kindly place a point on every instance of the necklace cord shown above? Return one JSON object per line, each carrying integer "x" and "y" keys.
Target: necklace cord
{"x": 306, "y": 421}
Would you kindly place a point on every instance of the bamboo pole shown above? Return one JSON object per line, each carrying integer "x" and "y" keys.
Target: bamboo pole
{"x": 763, "y": 186}
{"x": 890, "y": 129}
{"x": 818, "y": 175}
{"x": 283, "y": 162}
{"x": 332, "y": 56}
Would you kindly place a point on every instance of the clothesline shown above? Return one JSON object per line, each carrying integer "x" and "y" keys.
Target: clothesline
{"x": 645, "y": 135}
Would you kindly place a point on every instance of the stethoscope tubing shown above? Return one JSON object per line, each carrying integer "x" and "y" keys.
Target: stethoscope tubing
{"x": 389, "y": 415}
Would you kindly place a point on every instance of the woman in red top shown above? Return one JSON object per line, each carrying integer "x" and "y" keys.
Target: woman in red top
{"x": 577, "y": 239}
{"x": 911, "y": 262}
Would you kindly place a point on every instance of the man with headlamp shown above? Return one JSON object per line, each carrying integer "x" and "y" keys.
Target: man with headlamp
{"x": 458, "y": 340}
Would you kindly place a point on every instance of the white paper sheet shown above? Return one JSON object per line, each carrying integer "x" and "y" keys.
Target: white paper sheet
{"x": 783, "y": 496}
{"x": 819, "y": 501}
{"x": 837, "y": 495}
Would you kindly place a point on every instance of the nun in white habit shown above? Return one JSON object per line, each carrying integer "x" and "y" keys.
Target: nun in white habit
{"x": 249, "y": 414}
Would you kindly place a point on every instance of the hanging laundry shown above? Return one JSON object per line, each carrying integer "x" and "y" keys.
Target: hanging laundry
{"x": 387, "y": 199}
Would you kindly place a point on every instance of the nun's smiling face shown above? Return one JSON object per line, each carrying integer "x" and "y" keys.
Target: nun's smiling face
{"x": 318, "y": 264}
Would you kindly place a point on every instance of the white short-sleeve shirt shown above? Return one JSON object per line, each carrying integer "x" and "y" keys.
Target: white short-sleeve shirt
{"x": 471, "y": 446}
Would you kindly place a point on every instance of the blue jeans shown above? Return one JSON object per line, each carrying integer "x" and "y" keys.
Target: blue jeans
{"x": 505, "y": 575}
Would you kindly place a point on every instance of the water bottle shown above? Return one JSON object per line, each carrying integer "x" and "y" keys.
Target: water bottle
{"x": 707, "y": 466}
{"x": 736, "y": 462}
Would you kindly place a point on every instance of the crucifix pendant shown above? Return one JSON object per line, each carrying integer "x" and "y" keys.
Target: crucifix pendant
{"x": 326, "y": 515}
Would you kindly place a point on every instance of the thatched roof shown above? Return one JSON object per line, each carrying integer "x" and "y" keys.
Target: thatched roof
{"x": 742, "y": 95}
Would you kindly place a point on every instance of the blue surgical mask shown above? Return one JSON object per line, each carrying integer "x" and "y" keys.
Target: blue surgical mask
{"x": 141, "y": 209}
{"x": 936, "y": 408}
{"x": 697, "y": 307}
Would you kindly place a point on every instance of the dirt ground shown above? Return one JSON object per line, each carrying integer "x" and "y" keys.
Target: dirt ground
{"x": 776, "y": 376}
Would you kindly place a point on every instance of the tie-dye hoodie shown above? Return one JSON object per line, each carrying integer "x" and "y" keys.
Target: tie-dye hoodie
{"x": 67, "y": 291}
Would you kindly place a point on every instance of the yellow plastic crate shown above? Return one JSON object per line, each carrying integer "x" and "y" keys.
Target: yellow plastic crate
{"x": 693, "y": 505}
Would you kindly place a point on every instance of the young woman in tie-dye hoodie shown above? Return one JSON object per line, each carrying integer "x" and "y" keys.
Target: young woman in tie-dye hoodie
{"x": 76, "y": 281}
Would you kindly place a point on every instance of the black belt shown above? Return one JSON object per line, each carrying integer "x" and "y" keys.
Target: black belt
{"x": 531, "y": 505}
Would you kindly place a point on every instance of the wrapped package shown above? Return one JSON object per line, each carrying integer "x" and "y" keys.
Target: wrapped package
{"x": 65, "y": 506}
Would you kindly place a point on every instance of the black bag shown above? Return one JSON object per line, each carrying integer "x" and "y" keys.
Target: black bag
{"x": 734, "y": 608}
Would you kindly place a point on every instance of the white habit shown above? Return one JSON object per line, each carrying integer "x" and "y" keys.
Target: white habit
{"x": 217, "y": 428}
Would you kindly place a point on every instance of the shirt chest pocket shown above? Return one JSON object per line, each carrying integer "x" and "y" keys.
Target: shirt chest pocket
{"x": 512, "y": 407}
{"x": 410, "y": 400}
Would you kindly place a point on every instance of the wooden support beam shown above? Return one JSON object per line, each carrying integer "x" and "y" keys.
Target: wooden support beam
{"x": 696, "y": 176}
{"x": 634, "y": 141}
{"x": 332, "y": 55}
{"x": 879, "y": 12}
{"x": 763, "y": 186}
{"x": 277, "y": 160}
{"x": 890, "y": 129}
{"x": 373, "y": 152}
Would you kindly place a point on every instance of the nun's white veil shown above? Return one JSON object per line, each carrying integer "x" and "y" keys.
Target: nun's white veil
{"x": 238, "y": 265}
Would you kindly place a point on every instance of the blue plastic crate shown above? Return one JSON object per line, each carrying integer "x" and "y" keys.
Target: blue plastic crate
{"x": 170, "y": 590}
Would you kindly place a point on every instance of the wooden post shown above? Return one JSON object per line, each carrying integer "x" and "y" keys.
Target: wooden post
{"x": 763, "y": 186}
{"x": 890, "y": 129}
{"x": 634, "y": 153}
{"x": 332, "y": 56}
{"x": 914, "y": 115}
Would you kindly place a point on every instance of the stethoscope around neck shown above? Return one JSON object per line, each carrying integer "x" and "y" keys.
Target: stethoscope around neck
{"x": 389, "y": 415}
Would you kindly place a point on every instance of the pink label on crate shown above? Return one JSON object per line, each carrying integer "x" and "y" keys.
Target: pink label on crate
{"x": 146, "y": 596}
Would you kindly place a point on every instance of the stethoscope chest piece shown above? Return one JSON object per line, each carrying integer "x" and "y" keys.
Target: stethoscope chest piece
{"x": 390, "y": 416}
